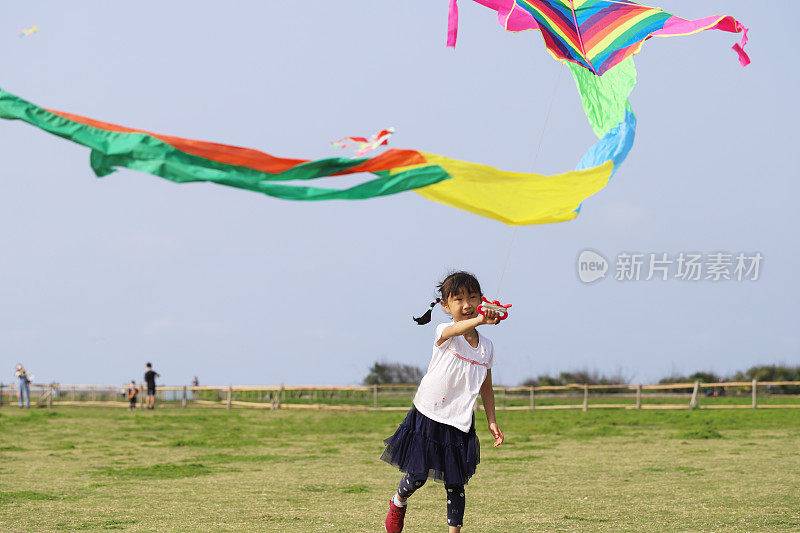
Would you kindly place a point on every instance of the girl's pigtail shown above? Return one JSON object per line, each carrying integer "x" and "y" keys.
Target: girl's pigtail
{"x": 424, "y": 319}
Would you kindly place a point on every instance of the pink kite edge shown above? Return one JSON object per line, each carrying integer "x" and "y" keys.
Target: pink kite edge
{"x": 510, "y": 17}
{"x": 676, "y": 26}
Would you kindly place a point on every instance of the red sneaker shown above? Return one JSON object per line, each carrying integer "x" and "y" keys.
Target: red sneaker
{"x": 394, "y": 520}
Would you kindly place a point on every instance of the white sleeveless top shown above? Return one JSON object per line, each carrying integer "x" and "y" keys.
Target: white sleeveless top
{"x": 449, "y": 389}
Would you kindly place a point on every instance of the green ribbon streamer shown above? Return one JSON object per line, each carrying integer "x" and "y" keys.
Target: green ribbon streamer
{"x": 605, "y": 98}
{"x": 143, "y": 152}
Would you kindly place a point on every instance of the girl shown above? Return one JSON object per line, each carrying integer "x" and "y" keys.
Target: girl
{"x": 437, "y": 437}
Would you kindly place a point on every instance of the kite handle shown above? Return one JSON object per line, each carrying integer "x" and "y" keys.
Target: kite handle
{"x": 493, "y": 305}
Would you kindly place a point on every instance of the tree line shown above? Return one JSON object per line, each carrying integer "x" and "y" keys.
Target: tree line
{"x": 382, "y": 373}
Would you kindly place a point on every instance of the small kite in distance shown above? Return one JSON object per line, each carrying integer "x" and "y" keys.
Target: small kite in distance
{"x": 29, "y": 31}
{"x": 365, "y": 145}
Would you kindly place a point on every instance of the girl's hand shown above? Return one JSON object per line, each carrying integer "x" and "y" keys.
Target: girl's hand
{"x": 489, "y": 317}
{"x": 497, "y": 434}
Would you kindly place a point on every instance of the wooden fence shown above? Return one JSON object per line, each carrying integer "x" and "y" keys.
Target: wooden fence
{"x": 727, "y": 395}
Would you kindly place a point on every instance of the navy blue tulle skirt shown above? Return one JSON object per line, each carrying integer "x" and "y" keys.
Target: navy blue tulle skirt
{"x": 423, "y": 446}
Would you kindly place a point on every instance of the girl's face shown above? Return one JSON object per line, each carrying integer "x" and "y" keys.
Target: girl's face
{"x": 463, "y": 305}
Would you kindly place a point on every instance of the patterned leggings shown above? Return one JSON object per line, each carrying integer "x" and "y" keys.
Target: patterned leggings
{"x": 455, "y": 496}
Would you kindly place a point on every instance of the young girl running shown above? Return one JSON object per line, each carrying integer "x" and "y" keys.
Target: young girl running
{"x": 437, "y": 438}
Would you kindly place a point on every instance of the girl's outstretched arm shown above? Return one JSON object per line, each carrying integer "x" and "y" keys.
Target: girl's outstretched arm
{"x": 463, "y": 326}
{"x": 487, "y": 396}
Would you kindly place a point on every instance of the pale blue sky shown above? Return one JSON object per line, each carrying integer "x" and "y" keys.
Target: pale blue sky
{"x": 99, "y": 276}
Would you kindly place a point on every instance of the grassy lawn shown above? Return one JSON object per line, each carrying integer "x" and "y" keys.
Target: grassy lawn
{"x": 93, "y": 469}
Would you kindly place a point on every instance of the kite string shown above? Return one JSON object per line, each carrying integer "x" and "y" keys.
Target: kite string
{"x": 535, "y": 160}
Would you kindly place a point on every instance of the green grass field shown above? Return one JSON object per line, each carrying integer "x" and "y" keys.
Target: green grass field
{"x": 88, "y": 469}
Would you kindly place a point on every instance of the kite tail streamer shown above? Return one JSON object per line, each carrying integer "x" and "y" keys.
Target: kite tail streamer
{"x": 615, "y": 146}
{"x": 452, "y": 24}
{"x": 605, "y": 102}
{"x": 511, "y": 197}
{"x": 744, "y": 59}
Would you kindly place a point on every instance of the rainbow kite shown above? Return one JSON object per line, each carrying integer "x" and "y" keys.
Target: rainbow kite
{"x": 29, "y": 31}
{"x": 596, "y": 34}
{"x": 596, "y": 38}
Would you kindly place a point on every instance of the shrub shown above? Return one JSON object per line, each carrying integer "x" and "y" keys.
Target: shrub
{"x": 387, "y": 373}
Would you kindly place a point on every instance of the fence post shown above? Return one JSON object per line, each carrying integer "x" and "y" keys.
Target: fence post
{"x": 755, "y": 393}
{"x": 375, "y": 396}
{"x": 639, "y": 396}
{"x": 94, "y": 393}
{"x": 183, "y": 400}
{"x": 533, "y": 399}
{"x": 1, "y": 394}
{"x": 585, "y": 397}
{"x": 50, "y": 397}
{"x": 693, "y": 401}
{"x": 230, "y": 395}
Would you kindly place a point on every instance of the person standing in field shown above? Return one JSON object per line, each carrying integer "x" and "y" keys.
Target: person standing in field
{"x": 437, "y": 437}
{"x": 24, "y": 385}
{"x": 150, "y": 379}
{"x": 133, "y": 390}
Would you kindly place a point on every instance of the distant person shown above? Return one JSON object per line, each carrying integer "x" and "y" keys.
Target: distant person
{"x": 133, "y": 390}
{"x": 716, "y": 391}
{"x": 24, "y": 385}
{"x": 195, "y": 382}
{"x": 150, "y": 379}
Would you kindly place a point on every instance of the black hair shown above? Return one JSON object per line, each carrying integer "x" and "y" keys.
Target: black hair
{"x": 148, "y": 364}
{"x": 452, "y": 284}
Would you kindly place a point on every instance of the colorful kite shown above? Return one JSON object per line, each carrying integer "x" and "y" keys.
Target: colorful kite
{"x": 597, "y": 34}
{"x": 29, "y": 31}
{"x": 597, "y": 40}
{"x": 365, "y": 145}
